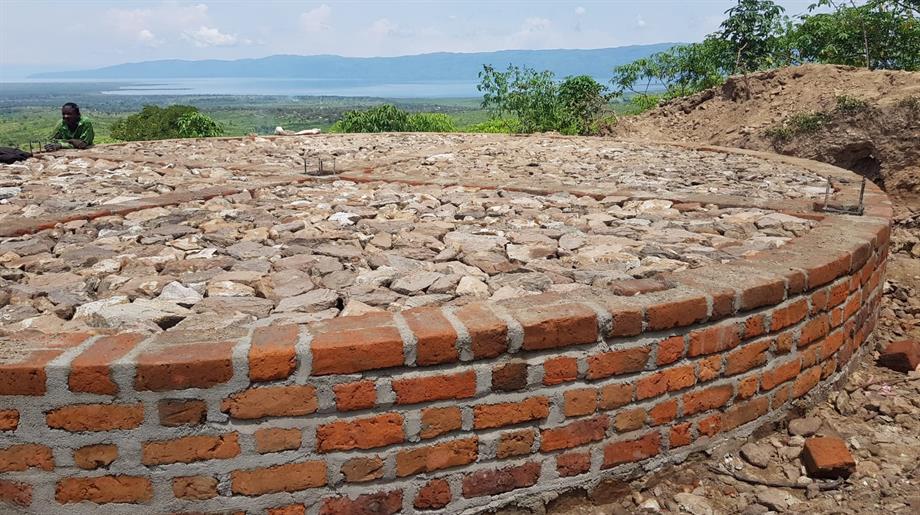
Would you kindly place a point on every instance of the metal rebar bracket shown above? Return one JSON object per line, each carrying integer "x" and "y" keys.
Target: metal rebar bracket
{"x": 321, "y": 166}
{"x": 844, "y": 209}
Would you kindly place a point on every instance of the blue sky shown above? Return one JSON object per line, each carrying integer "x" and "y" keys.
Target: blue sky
{"x": 67, "y": 34}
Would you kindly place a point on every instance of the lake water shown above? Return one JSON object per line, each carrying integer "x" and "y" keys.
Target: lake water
{"x": 297, "y": 87}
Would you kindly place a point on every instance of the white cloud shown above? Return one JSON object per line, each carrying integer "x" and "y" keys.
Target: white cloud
{"x": 211, "y": 36}
{"x": 580, "y": 11}
{"x": 532, "y": 25}
{"x": 146, "y": 37}
{"x": 640, "y": 21}
{"x": 317, "y": 19}
{"x": 383, "y": 27}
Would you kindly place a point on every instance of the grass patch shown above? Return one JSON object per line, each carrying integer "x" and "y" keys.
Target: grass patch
{"x": 850, "y": 105}
{"x": 798, "y": 124}
{"x": 911, "y": 103}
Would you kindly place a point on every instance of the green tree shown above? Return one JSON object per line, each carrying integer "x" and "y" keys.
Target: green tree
{"x": 538, "y": 103}
{"x": 753, "y": 29}
{"x": 389, "y": 118}
{"x": 877, "y": 34}
{"x": 155, "y": 122}
{"x": 197, "y": 125}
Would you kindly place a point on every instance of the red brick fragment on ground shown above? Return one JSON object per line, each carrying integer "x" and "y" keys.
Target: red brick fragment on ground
{"x": 902, "y": 356}
{"x": 827, "y": 457}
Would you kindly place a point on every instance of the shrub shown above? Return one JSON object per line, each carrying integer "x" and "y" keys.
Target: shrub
{"x": 851, "y": 105}
{"x": 389, "y": 118}
{"x": 800, "y": 123}
{"x": 496, "y": 126}
{"x": 175, "y": 121}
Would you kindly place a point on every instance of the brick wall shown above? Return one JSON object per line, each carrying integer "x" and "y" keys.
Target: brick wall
{"x": 451, "y": 409}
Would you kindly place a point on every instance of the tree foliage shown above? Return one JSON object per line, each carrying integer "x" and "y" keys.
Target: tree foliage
{"x": 175, "y": 121}
{"x": 539, "y": 103}
{"x": 756, "y": 35}
{"x": 389, "y": 118}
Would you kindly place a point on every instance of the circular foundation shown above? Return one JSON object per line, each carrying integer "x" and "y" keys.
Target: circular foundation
{"x": 447, "y": 322}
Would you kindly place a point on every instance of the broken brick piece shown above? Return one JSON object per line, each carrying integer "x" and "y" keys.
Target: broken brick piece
{"x": 827, "y": 457}
{"x": 903, "y": 356}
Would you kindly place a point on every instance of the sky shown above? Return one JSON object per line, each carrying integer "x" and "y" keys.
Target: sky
{"x": 43, "y": 35}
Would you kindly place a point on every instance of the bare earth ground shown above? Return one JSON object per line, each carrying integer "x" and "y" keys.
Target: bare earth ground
{"x": 877, "y": 411}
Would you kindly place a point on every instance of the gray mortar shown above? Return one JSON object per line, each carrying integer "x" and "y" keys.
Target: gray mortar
{"x": 464, "y": 341}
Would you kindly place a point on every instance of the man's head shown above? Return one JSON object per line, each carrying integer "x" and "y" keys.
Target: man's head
{"x": 70, "y": 112}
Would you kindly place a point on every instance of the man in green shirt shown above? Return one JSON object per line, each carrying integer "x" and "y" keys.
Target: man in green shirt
{"x": 74, "y": 131}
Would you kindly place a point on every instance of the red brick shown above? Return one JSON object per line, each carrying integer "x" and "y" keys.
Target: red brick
{"x": 784, "y": 342}
{"x": 668, "y": 380}
{"x": 433, "y": 388}
{"x": 631, "y": 450}
{"x": 433, "y": 496}
{"x": 754, "y": 326}
{"x": 515, "y": 443}
{"x": 713, "y": 339}
{"x": 15, "y": 493}
{"x": 559, "y": 370}
{"x": 580, "y": 401}
{"x": 509, "y": 377}
{"x": 91, "y": 372}
{"x": 780, "y": 374}
{"x": 902, "y": 356}
{"x": 744, "y": 412}
{"x": 271, "y": 401}
{"x": 275, "y": 439}
{"x": 615, "y": 395}
{"x": 663, "y": 412}
{"x": 548, "y": 327}
{"x": 177, "y": 367}
{"x": 487, "y": 416}
{"x": 194, "y": 488}
{"x": 273, "y": 354}
{"x": 92, "y": 457}
{"x": 574, "y": 434}
{"x": 498, "y": 481}
{"x": 626, "y": 320}
{"x": 710, "y": 368}
{"x": 701, "y": 400}
{"x": 748, "y": 386}
{"x": 617, "y": 362}
{"x": 381, "y": 503}
{"x": 827, "y": 457}
{"x": 488, "y": 333}
{"x": 832, "y": 344}
{"x": 747, "y": 357}
{"x": 781, "y": 396}
{"x": 104, "y": 489}
{"x": 17, "y": 458}
{"x": 290, "y": 509}
{"x": 361, "y": 470}
{"x": 788, "y": 315}
{"x": 671, "y": 350}
{"x": 766, "y": 292}
{"x": 355, "y": 396}
{"x": 437, "y": 339}
{"x": 9, "y": 420}
{"x": 573, "y": 463}
{"x": 362, "y": 433}
{"x": 347, "y": 345}
{"x": 838, "y": 294}
{"x": 96, "y": 417}
{"x": 814, "y": 330}
{"x": 680, "y": 435}
{"x": 290, "y": 477}
{"x": 629, "y": 420}
{"x": 677, "y": 313}
{"x": 823, "y": 271}
{"x": 26, "y": 375}
{"x": 438, "y": 421}
{"x": 181, "y": 412}
{"x": 189, "y": 449}
{"x": 807, "y": 380}
{"x": 710, "y": 426}
{"x": 436, "y": 457}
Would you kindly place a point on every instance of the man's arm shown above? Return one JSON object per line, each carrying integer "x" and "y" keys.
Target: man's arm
{"x": 87, "y": 135}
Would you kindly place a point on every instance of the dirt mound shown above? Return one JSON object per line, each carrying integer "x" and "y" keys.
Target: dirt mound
{"x": 865, "y": 121}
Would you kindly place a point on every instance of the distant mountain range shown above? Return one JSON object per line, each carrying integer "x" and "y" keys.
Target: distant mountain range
{"x": 424, "y": 67}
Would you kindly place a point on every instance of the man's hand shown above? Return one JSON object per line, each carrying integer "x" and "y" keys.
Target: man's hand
{"x": 77, "y": 143}
{"x": 51, "y": 147}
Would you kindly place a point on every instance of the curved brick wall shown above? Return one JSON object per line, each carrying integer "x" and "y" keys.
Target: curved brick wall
{"x": 455, "y": 409}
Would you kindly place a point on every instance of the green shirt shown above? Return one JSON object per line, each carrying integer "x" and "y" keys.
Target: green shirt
{"x": 83, "y": 131}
